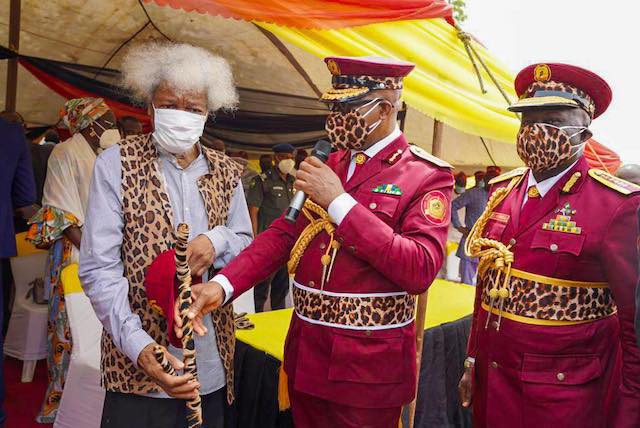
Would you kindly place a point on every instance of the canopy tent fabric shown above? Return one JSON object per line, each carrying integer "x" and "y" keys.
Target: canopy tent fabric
{"x": 100, "y": 28}
{"x": 443, "y": 85}
{"x": 601, "y": 157}
{"x": 316, "y": 13}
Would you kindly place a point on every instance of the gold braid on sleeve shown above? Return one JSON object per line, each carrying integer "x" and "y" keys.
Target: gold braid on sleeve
{"x": 492, "y": 253}
{"x": 319, "y": 220}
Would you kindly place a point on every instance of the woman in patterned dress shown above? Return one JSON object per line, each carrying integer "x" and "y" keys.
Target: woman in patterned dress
{"x": 57, "y": 226}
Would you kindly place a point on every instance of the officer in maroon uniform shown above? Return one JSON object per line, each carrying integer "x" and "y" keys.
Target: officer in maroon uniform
{"x": 553, "y": 342}
{"x": 372, "y": 236}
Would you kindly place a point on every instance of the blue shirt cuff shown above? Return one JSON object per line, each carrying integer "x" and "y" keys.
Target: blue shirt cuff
{"x": 134, "y": 344}
{"x": 218, "y": 240}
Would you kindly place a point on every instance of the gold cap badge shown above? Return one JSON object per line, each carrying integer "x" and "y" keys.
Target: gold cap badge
{"x": 333, "y": 67}
{"x": 542, "y": 73}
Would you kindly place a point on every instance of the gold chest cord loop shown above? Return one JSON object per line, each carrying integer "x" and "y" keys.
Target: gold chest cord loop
{"x": 321, "y": 221}
{"x": 492, "y": 253}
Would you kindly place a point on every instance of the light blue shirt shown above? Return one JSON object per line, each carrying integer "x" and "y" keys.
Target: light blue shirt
{"x": 102, "y": 271}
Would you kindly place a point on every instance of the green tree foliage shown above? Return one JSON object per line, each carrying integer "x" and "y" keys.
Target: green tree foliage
{"x": 458, "y": 10}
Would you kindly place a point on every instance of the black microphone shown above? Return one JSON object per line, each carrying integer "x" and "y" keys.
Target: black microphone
{"x": 321, "y": 150}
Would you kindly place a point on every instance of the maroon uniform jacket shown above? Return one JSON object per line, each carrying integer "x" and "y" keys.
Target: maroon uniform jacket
{"x": 536, "y": 374}
{"x": 390, "y": 243}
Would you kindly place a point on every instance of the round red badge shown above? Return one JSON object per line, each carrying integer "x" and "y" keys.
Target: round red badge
{"x": 435, "y": 207}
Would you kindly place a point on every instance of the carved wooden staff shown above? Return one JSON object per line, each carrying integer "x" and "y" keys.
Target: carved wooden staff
{"x": 194, "y": 406}
{"x": 162, "y": 359}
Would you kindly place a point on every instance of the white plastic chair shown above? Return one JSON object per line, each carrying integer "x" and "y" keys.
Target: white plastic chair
{"x": 83, "y": 396}
{"x": 26, "y": 337}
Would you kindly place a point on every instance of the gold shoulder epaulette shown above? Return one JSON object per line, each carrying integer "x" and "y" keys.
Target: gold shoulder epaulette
{"x": 613, "y": 182}
{"x": 423, "y": 154}
{"x": 508, "y": 175}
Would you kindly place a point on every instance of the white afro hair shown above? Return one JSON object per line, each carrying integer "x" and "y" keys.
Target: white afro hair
{"x": 182, "y": 66}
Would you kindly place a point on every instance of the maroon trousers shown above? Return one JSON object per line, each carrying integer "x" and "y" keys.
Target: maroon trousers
{"x": 313, "y": 412}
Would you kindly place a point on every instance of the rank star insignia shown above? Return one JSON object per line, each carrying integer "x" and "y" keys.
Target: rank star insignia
{"x": 388, "y": 189}
{"x": 361, "y": 159}
{"x": 435, "y": 207}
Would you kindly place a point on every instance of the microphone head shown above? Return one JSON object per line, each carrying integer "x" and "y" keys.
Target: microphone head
{"x": 322, "y": 150}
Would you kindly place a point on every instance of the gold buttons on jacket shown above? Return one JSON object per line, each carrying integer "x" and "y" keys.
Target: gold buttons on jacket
{"x": 553, "y": 247}
{"x": 494, "y": 324}
{"x": 494, "y": 365}
{"x": 512, "y": 241}
{"x": 312, "y": 284}
{"x": 367, "y": 333}
{"x": 560, "y": 376}
{"x": 373, "y": 205}
{"x": 323, "y": 246}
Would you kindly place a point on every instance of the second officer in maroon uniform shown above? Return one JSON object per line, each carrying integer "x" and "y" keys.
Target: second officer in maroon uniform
{"x": 372, "y": 236}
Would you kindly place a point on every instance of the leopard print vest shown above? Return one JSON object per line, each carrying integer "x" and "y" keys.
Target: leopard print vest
{"x": 148, "y": 232}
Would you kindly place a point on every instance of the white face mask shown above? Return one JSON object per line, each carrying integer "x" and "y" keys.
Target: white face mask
{"x": 109, "y": 138}
{"x": 286, "y": 166}
{"x": 176, "y": 131}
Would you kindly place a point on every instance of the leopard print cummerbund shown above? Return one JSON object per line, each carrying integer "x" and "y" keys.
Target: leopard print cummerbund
{"x": 536, "y": 299}
{"x": 353, "y": 311}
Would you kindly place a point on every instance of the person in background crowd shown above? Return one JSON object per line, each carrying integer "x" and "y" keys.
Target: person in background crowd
{"x": 213, "y": 143}
{"x": 58, "y": 225}
{"x": 40, "y": 153}
{"x": 494, "y": 170}
{"x": 301, "y": 155}
{"x": 383, "y": 211}
{"x": 266, "y": 162}
{"x": 17, "y": 195}
{"x": 248, "y": 174}
{"x": 20, "y": 224}
{"x": 129, "y": 126}
{"x": 552, "y": 340}
{"x": 474, "y": 202}
{"x": 269, "y": 196}
{"x": 460, "y": 185}
{"x": 127, "y": 265}
{"x": 629, "y": 172}
{"x": 13, "y": 117}
{"x": 50, "y": 137}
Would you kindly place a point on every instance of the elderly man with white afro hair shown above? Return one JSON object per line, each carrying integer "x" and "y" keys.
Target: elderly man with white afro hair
{"x": 141, "y": 191}
{"x": 183, "y": 67}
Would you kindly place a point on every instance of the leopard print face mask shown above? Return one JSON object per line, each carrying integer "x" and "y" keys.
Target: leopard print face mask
{"x": 543, "y": 146}
{"x": 349, "y": 130}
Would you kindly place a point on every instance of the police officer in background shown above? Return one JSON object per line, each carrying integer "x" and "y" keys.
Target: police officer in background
{"x": 269, "y": 195}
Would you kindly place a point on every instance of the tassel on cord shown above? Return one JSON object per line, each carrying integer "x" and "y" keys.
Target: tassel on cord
{"x": 492, "y": 254}
{"x": 315, "y": 226}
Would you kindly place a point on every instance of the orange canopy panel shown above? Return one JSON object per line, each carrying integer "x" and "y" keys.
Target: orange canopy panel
{"x": 601, "y": 157}
{"x": 317, "y": 14}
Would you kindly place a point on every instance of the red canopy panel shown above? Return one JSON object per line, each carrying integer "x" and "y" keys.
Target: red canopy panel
{"x": 318, "y": 14}
{"x": 601, "y": 157}
{"x": 69, "y": 91}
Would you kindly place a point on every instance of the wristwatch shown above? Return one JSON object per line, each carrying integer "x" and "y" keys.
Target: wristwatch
{"x": 469, "y": 362}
